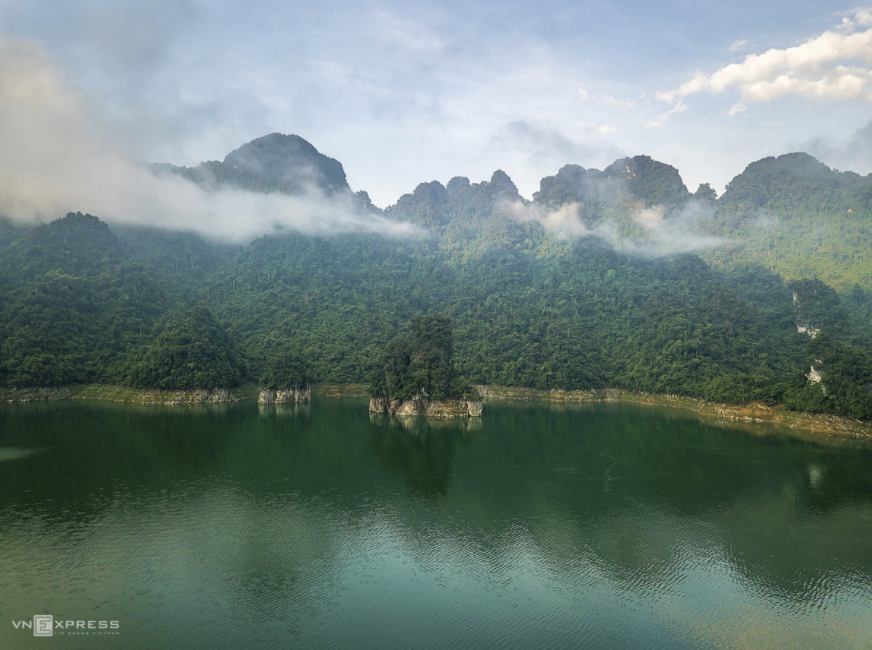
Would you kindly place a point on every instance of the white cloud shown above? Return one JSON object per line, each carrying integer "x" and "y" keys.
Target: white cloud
{"x": 679, "y": 107}
{"x": 547, "y": 147}
{"x": 853, "y": 17}
{"x": 57, "y": 155}
{"x": 735, "y": 46}
{"x": 649, "y": 218}
{"x": 600, "y": 130}
{"x": 407, "y": 34}
{"x": 835, "y": 66}
{"x": 851, "y": 152}
{"x": 607, "y": 100}
{"x": 617, "y": 102}
{"x": 563, "y": 221}
{"x": 679, "y": 232}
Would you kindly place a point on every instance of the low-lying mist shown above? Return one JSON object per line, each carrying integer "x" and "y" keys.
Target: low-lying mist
{"x": 660, "y": 234}
{"x": 59, "y": 153}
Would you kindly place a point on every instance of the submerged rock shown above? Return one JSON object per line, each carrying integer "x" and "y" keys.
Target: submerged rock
{"x": 450, "y": 408}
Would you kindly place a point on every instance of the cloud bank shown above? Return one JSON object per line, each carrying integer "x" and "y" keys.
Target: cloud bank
{"x": 854, "y": 152}
{"x": 678, "y": 232}
{"x": 834, "y": 66}
{"x": 60, "y": 153}
{"x": 563, "y": 221}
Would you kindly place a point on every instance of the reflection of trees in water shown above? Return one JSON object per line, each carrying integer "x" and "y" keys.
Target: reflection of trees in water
{"x": 639, "y": 496}
{"x": 422, "y": 425}
{"x": 297, "y": 412}
{"x": 95, "y": 453}
{"x": 276, "y": 561}
{"x": 99, "y": 452}
{"x": 419, "y": 449}
{"x": 635, "y": 496}
{"x": 225, "y": 504}
{"x": 260, "y": 566}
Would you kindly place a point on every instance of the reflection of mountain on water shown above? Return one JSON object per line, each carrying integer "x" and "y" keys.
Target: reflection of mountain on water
{"x": 291, "y": 411}
{"x": 422, "y": 425}
{"x": 269, "y": 509}
{"x": 641, "y": 496}
{"x": 276, "y": 559}
{"x": 15, "y": 453}
{"x": 418, "y": 449}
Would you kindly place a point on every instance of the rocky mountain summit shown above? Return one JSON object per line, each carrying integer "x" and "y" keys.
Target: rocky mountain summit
{"x": 287, "y": 164}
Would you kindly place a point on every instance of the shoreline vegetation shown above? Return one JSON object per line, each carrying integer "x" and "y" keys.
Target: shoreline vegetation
{"x": 811, "y": 426}
{"x": 495, "y": 293}
{"x": 485, "y": 298}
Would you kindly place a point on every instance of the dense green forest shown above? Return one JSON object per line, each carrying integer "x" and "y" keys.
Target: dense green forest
{"x": 420, "y": 364}
{"x": 621, "y": 303}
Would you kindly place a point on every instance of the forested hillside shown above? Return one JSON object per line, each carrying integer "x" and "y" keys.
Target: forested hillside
{"x": 799, "y": 218}
{"x": 589, "y": 285}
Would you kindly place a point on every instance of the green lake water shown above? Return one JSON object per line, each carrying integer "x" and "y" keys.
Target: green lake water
{"x": 606, "y": 526}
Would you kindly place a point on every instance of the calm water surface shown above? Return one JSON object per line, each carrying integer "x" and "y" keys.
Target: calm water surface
{"x": 608, "y": 526}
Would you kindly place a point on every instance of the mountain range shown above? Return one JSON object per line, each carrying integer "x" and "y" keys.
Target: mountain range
{"x": 791, "y": 213}
{"x": 620, "y": 277}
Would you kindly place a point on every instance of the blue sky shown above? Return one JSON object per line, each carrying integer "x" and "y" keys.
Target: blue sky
{"x": 402, "y": 92}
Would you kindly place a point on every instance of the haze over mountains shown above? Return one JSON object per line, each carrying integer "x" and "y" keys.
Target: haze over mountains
{"x": 273, "y": 163}
{"x": 789, "y": 213}
{"x": 620, "y": 277}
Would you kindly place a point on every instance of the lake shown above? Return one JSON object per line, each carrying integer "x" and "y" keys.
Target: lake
{"x": 603, "y": 526}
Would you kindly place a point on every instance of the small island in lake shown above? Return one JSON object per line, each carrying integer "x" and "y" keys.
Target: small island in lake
{"x": 415, "y": 375}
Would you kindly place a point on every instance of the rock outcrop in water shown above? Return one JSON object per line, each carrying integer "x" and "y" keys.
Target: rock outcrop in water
{"x": 290, "y": 396}
{"x": 449, "y": 408}
{"x": 416, "y": 375}
{"x": 287, "y": 379}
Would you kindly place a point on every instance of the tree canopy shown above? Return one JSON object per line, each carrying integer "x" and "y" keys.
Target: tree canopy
{"x": 420, "y": 364}
{"x": 286, "y": 370}
{"x": 83, "y": 302}
{"x": 194, "y": 351}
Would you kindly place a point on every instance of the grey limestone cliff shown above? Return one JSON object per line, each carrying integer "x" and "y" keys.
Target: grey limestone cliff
{"x": 290, "y": 396}
{"x": 451, "y": 408}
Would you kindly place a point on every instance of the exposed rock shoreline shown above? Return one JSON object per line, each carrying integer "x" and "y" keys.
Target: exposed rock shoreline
{"x": 34, "y": 394}
{"x": 452, "y": 408}
{"x": 816, "y": 426}
{"x": 291, "y": 396}
{"x": 213, "y": 396}
{"x": 123, "y": 394}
